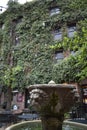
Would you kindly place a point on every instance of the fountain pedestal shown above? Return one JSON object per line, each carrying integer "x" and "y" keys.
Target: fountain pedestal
{"x": 52, "y": 123}
{"x": 51, "y": 101}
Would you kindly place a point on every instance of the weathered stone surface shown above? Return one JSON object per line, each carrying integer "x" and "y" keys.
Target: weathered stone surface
{"x": 52, "y": 101}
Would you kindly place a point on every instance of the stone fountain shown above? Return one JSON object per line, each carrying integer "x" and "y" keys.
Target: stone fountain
{"x": 52, "y": 101}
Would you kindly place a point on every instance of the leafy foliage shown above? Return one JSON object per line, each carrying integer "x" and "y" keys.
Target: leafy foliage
{"x": 74, "y": 68}
{"x": 26, "y": 57}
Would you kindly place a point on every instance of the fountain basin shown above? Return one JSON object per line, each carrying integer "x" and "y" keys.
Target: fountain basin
{"x": 36, "y": 125}
{"x": 26, "y": 125}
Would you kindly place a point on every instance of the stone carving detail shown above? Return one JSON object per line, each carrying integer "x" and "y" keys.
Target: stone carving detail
{"x": 38, "y": 98}
{"x": 51, "y": 101}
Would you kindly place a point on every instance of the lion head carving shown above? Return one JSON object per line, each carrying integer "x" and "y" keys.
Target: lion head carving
{"x": 38, "y": 98}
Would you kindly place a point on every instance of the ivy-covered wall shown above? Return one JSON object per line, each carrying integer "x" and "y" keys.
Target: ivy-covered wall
{"x": 26, "y": 38}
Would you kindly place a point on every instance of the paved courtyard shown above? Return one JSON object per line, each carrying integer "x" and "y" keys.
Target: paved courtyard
{"x": 4, "y": 126}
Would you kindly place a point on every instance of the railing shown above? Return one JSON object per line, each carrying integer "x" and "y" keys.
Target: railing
{"x": 7, "y": 117}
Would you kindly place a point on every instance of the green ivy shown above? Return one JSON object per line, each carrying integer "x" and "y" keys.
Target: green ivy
{"x": 32, "y": 24}
{"x": 74, "y": 67}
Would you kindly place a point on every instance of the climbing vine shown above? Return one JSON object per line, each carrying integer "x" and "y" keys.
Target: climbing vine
{"x": 74, "y": 67}
{"x": 26, "y": 38}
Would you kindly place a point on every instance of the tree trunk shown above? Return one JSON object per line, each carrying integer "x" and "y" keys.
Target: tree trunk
{"x": 9, "y": 96}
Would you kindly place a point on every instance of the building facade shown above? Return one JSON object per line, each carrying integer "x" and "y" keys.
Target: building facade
{"x": 28, "y": 31}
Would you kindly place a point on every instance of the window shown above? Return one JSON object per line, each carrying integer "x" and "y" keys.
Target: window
{"x": 2, "y": 26}
{"x": 71, "y": 31}
{"x": 72, "y": 53}
{"x": 54, "y": 11}
{"x": 59, "y": 55}
{"x": 18, "y": 20}
{"x": 57, "y": 34}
